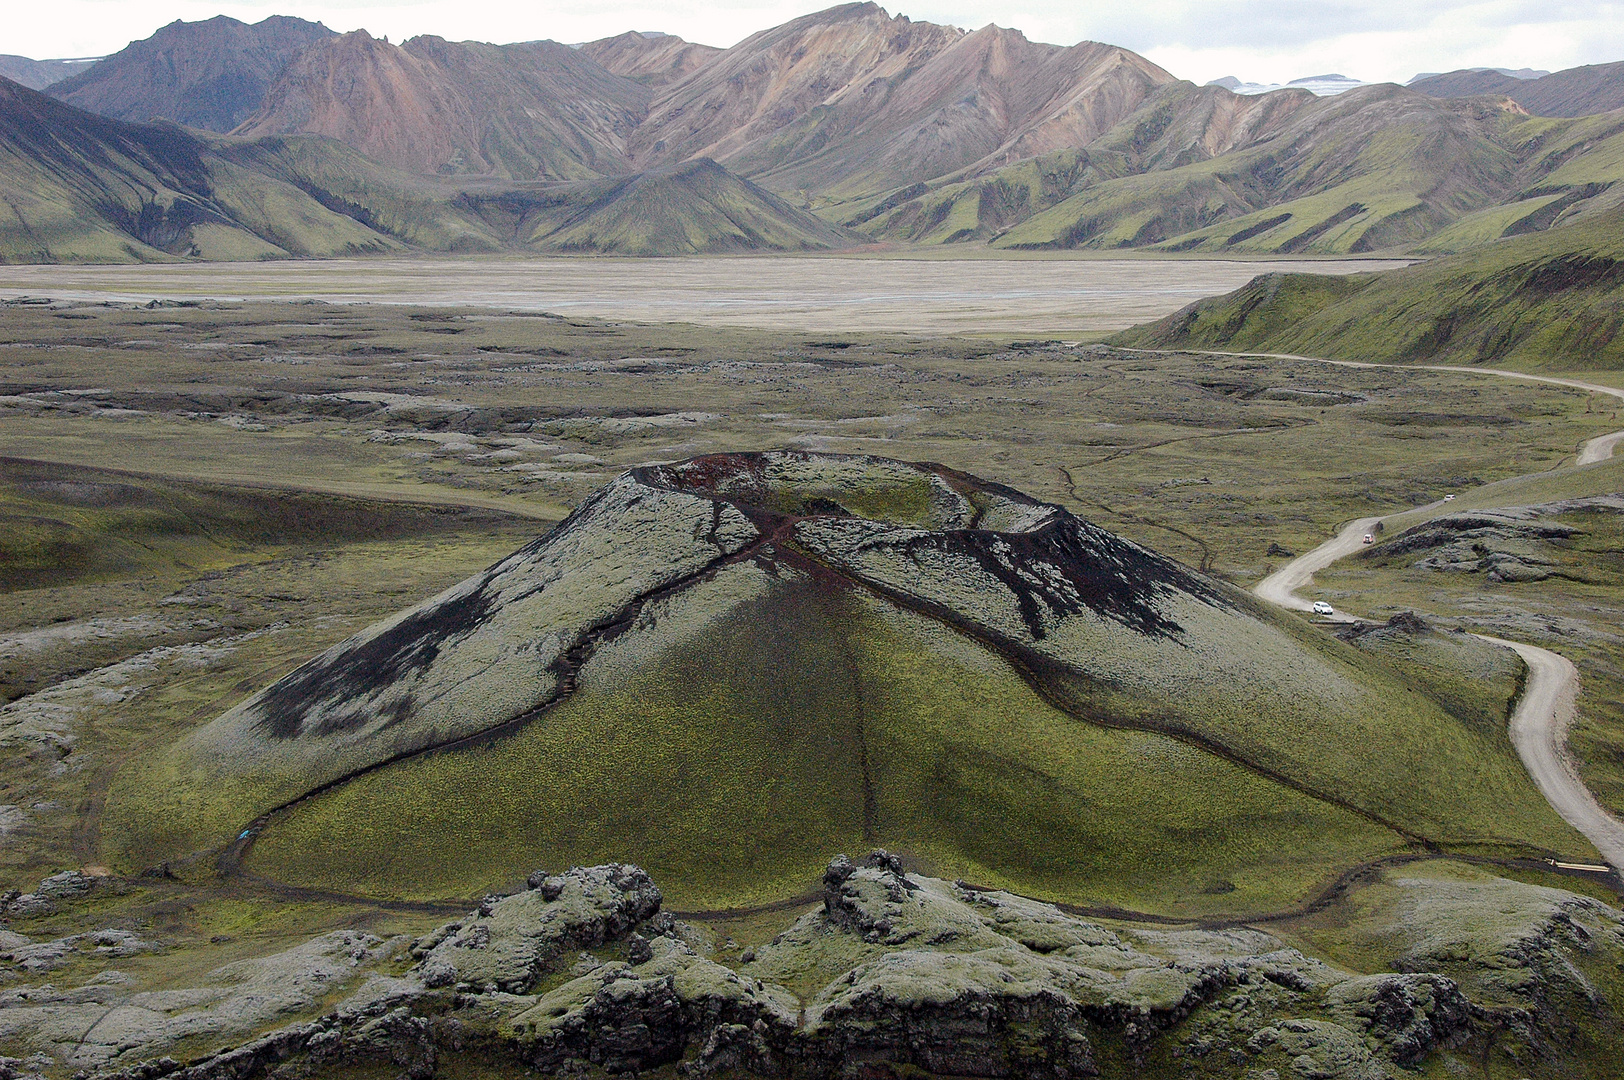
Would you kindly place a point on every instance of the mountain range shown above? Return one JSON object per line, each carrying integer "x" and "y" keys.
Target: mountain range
{"x": 843, "y": 126}
{"x": 208, "y": 75}
{"x": 1580, "y": 91}
{"x": 38, "y": 74}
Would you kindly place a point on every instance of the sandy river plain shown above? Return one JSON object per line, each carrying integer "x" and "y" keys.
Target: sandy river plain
{"x": 971, "y": 297}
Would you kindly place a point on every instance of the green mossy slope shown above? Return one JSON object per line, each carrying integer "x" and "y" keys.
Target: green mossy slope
{"x": 1553, "y": 300}
{"x": 800, "y": 722}
{"x": 1380, "y": 168}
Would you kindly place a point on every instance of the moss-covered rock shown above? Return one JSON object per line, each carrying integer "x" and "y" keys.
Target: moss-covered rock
{"x": 897, "y": 971}
{"x": 509, "y": 943}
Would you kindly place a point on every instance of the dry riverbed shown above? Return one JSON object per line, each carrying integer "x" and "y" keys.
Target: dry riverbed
{"x": 1070, "y": 298}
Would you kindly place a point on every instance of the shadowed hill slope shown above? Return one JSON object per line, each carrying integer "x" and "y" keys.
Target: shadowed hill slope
{"x": 209, "y": 75}
{"x": 1554, "y": 300}
{"x": 1580, "y": 91}
{"x": 691, "y": 209}
{"x": 38, "y": 74}
{"x": 81, "y": 187}
{"x": 723, "y": 667}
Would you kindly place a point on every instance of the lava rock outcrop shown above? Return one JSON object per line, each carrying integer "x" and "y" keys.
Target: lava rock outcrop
{"x": 963, "y": 982}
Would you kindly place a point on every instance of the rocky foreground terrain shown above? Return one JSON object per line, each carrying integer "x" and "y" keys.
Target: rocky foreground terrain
{"x": 583, "y": 972}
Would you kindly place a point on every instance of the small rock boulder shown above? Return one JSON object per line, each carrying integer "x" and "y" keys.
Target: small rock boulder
{"x": 1409, "y": 1015}
{"x": 630, "y": 1017}
{"x": 511, "y": 941}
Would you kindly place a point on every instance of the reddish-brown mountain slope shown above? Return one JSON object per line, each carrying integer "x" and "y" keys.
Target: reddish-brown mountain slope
{"x": 651, "y": 59}
{"x": 851, "y": 100}
{"x": 537, "y": 110}
{"x": 848, "y": 102}
{"x": 209, "y": 75}
{"x": 775, "y": 85}
{"x": 1580, "y": 91}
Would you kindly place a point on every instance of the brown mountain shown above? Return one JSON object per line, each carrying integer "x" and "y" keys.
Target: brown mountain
{"x": 651, "y": 59}
{"x": 209, "y": 75}
{"x": 85, "y": 188}
{"x": 1580, "y": 91}
{"x": 537, "y": 110}
{"x": 852, "y": 100}
{"x": 848, "y": 100}
{"x": 38, "y": 74}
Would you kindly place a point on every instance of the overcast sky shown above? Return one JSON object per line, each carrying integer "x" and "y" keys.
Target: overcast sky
{"x": 1258, "y": 40}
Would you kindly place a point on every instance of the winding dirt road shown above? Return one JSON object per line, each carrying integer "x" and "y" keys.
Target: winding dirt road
{"x": 1280, "y": 588}
{"x": 1539, "y": 729}
{"x": 1539, "y": 724}
{"x": 1600, "y": 448}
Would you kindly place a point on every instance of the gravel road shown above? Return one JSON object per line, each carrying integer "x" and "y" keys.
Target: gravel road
{"x": 1539, "y": 724}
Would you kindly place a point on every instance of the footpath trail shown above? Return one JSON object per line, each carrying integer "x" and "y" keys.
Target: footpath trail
{"x": 1539, "y": 724}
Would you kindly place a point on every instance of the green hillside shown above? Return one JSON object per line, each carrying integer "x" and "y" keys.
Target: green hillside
{"x": 81, "y": 188}
{"x": 1552, "y": 300}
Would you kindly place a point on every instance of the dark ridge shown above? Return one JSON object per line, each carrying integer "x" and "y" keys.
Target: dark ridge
{"x": 1314, "y": 232}
{"x": 891, "y": 202}
{"x": 1574, "y": 272}
{"x": 1069, "y": 566}
{"x": 1547, "y": 215}
{"x": 1254, "y": 230}
{"x": 1065, "y": 567}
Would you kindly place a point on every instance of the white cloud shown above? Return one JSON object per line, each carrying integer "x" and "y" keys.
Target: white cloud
{"x": 1259, "y": 40}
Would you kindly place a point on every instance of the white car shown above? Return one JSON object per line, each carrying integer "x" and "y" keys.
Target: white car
{"x": 1449, "y": 498}
{"x": 1322, "y": 608}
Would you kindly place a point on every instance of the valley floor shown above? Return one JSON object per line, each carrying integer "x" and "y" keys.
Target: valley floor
{"x": 1070, "y": 296}
{"x": 197, "y": 495}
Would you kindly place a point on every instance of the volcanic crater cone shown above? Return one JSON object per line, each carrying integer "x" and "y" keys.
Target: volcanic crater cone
{"x": 726, "y": 668}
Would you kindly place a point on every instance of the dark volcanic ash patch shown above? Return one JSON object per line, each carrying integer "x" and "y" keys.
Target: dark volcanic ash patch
{"x": 363, "y": 670}
{"x": 1070, "y": 566}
